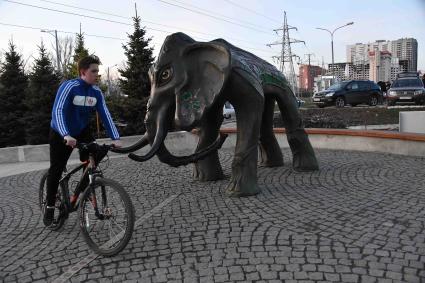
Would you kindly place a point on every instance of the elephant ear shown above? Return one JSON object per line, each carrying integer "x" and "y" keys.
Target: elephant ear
{"x": 207, "y": 67}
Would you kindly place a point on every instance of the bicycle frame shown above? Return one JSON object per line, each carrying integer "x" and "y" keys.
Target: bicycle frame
{"x": 90, "y": 171}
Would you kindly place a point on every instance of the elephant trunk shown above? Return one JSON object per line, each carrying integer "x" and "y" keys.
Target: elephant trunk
{"x": 156, "y": 133}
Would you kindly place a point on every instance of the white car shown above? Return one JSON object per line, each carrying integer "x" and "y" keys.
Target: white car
{"x": 228, "y": 110}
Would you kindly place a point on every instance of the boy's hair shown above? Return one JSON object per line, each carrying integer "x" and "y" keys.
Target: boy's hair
{"x": 85, "y": 62}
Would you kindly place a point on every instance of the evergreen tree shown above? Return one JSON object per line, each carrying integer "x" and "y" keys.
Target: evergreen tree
{"x": 135, "y": 79}
{"x": 79, "y": 52}
{"x": 40, "y": 95}
{"x": 13, "y": 83}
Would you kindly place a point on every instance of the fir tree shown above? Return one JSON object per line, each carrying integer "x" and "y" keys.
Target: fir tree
{"x": 135, "y": 79}
{"x": 13, "y": 83}
{"x": 79, "y": 52}
{"x": 40, "y": 95}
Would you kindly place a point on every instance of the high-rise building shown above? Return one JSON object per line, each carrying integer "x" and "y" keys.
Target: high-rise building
{"x": 307, "y": 73}
{"x": 405, "y": 49}
{"x": 380, "y": 65}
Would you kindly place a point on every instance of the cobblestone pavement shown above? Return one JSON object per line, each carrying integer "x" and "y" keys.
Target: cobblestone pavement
{"x": 360, "y": 218}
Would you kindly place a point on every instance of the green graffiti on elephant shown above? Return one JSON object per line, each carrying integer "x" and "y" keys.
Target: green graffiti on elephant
{"x": 189, "y": 101}
{"x": 186, "y": 96}
{"x": 270, "y": 79}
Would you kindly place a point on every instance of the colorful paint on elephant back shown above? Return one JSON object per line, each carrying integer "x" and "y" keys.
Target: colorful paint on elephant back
{"x": 264, "y": 72}
{"x": 273, "y": 80}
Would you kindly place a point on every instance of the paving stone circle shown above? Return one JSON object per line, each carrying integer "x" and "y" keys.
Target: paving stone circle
{"x": 360, "y": 218}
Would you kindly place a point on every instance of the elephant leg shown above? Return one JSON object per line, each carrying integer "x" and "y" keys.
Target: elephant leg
{"x": 209, "y": 168}
{"x": 270, "y": 153}
{"x": 248, "y": 103}
{"x": 304, "y": 158}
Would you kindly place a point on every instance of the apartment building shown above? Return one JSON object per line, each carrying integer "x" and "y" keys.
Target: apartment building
{"x": 405, "y": 49}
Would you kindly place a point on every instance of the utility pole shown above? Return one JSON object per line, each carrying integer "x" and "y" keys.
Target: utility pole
{"x": 285, "y": 58}
{"x": 55, "y": 34}
{"x": 310, "y": 73}
{"x": 109, "y": 79}
{"x": 309, "y": 55}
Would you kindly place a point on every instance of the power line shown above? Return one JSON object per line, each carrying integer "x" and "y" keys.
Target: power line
{"x": 252, "y": 11}
{"x": 147, "y": 21}
{"x": 117, "y": 22}
{"x": 84, "y": 9}
{"x": 64, "y": 12}
{"x": 61, "y": 31}
{"x": 212, "y": 16}
{"x": 221, "y": 15}
{"x": 116, "y": 38}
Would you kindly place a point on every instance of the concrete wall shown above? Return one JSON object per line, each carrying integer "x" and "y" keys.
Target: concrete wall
{"x": 412, "y": 121}
{"x": 182, "y": 140}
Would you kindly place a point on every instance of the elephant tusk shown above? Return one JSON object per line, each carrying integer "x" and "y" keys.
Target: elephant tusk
{"x": 165, "y": 156}
{"x": 161, "y": 133}
{"x": 159, "y": 139}
{"x": 138, "y": 145}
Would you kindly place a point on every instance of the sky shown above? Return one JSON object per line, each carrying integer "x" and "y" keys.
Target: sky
{"x": 248, "y": 24}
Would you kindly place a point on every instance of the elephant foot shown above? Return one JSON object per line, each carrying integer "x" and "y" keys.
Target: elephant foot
{"x": 304, "y": 159}
{"x": 208, "y": 169}
{"x": 203, "y": 176}
{"x": 236, "y": 189}
{"x": 305, "y": 163}
{"x": 271, "y": 163}
{"x": 270, "y": 152}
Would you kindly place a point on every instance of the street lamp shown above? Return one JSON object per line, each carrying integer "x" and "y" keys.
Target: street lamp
{"x": 332, "y": 41}
{"x": 57, "y": 45}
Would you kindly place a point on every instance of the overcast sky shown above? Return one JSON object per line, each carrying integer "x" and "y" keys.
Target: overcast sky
{"x": 249, "y": 26}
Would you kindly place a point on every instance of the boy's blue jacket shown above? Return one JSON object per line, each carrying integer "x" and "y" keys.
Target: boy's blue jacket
{"x": 75, "y": 101}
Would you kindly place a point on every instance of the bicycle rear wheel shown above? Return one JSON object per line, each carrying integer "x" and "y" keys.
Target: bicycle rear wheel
{"x": 59, "y": 219}
{"x": 106, "y": 217}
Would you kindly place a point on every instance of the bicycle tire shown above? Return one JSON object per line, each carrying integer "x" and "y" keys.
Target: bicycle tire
{"x": 101, "y": 241}
{"x": 59, "y": 203}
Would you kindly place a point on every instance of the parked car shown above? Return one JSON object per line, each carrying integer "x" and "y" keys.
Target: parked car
{"x": 228, "y": 110}
{"x": 300, "y": 102}
{"x": 408, "y": 87}
{"x": 349, "y": 92}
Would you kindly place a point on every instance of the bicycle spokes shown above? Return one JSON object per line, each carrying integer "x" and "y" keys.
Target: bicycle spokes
{"x": 107, "y": 217}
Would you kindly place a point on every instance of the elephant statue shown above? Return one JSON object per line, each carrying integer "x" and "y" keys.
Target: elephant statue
{"x": 191, "y": 81}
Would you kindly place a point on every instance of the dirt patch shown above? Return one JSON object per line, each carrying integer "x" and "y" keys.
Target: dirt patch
{"x": 342, "y": 118}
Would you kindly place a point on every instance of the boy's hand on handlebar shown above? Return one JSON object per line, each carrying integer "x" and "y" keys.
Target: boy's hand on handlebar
{"x": 116, "y": 143}
{"x": 70, "y": 141}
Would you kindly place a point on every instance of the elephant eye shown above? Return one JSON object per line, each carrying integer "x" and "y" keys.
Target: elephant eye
{"x": 165, "y": 75}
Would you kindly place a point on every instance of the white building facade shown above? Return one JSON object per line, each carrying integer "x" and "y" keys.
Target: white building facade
{"x": 405, "y": 49}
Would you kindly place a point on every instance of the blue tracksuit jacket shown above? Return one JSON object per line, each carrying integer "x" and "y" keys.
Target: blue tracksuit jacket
{"x": 75, "y": 101}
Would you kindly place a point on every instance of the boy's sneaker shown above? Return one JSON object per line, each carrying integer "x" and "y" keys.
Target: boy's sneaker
{"x": 49, "y": 215}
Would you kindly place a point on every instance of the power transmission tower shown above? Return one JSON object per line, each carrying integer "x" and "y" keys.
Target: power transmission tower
{"x": 285, "y": 58}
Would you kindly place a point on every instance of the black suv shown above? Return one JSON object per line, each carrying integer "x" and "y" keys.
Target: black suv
{"x": 408, "y": 87}
{"x": 349, "y": 92}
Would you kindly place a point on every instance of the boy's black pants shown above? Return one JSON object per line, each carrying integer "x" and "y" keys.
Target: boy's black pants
{"x": 59, "y": 155}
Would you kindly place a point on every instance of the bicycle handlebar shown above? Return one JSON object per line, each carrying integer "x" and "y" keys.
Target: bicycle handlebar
{"x": 93, "y": 147}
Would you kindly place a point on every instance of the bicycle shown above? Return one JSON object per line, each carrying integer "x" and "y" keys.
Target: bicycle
{"x": 106, "y": 213}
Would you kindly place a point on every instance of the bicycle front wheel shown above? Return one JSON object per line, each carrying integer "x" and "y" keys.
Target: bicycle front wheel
{"x": 106, "y": 217}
